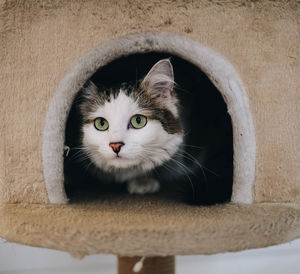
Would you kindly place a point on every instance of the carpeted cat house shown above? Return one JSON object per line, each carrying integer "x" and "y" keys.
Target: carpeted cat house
{"x": 249, "y": 51}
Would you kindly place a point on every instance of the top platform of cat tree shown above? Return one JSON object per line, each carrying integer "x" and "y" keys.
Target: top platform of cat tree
{"x": 145, "y": 225}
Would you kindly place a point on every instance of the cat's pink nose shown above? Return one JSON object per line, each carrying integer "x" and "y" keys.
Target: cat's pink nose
{"x": 116, "y": 147}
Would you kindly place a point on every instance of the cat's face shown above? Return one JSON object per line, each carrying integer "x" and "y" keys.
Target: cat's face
{"x": 132, "y": 127}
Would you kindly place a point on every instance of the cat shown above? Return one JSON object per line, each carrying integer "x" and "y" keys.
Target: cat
{"x": 130, "y": 131}
{"x": 139, "y": 135}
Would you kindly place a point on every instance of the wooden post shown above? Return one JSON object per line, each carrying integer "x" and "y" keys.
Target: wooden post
{"x": 151, "y": 265}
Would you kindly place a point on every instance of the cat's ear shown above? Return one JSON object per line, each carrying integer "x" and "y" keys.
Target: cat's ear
{"x": 160, "y": 79}
{"x": 89, "y": 90}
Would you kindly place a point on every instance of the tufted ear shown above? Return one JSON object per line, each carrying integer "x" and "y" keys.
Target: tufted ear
{"x": 160, "y": 79}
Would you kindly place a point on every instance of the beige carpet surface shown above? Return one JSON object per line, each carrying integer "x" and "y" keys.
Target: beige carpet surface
{"x": 134, "y": 225}
{"x": 41, "y": 40}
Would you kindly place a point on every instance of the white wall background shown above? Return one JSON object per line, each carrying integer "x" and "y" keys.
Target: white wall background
{"x": 281, "y": 259}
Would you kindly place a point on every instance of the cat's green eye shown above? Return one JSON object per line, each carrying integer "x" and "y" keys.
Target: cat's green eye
{"x": 138, "y": 121}
{"x": 101, "y": 124}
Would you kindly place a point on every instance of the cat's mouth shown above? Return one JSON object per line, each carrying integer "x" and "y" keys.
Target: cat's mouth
{"x": 119, "y": 158}
{"x": 120, "y": 161}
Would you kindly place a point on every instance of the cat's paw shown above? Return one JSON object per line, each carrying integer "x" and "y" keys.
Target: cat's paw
{"x": 142, "y": 186}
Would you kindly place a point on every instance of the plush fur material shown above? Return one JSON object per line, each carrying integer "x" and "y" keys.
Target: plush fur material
{"x": 217, "y": 68}
{"x": 262, "y": 43}
{"x": 146, "y": 226}
{"x": 42, "y": 40}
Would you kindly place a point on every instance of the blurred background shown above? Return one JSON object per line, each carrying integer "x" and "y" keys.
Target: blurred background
{"x": 281, "y": 259}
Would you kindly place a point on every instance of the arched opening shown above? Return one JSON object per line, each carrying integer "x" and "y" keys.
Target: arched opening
{"x": 208, "y": 148}
{"x": 194, "y": 65}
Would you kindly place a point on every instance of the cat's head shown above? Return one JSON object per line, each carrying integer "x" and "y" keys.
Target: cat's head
{"x": 132, "y": 127}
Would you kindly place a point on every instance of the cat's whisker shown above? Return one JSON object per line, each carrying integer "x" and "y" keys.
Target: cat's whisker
{"x": 189, "y": 179}
{"x": 192, "y": 158}
{"x": 193, "y": 146}
{"x": 79, "y": 152}
{"x": 182, "y": 165}
{"x": 200, "y": 165}
{"x": 77, "y": 148}
{"x": 81, "y": 159}
{"x": 185, "y": 134}
{"x": 79, "y": 156}
{"x": 86, "y": 167}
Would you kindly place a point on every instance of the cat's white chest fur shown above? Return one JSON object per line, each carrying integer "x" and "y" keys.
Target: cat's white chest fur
{"x": 143, "y": 185}
{"x": 127, "y": 174}
{"x": 137, "y": 183}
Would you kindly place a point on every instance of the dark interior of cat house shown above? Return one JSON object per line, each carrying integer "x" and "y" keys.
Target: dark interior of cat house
{"x": 207, "y": 156}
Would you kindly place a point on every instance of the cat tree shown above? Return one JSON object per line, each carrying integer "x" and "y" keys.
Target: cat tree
{"x": 250, "y": 52}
